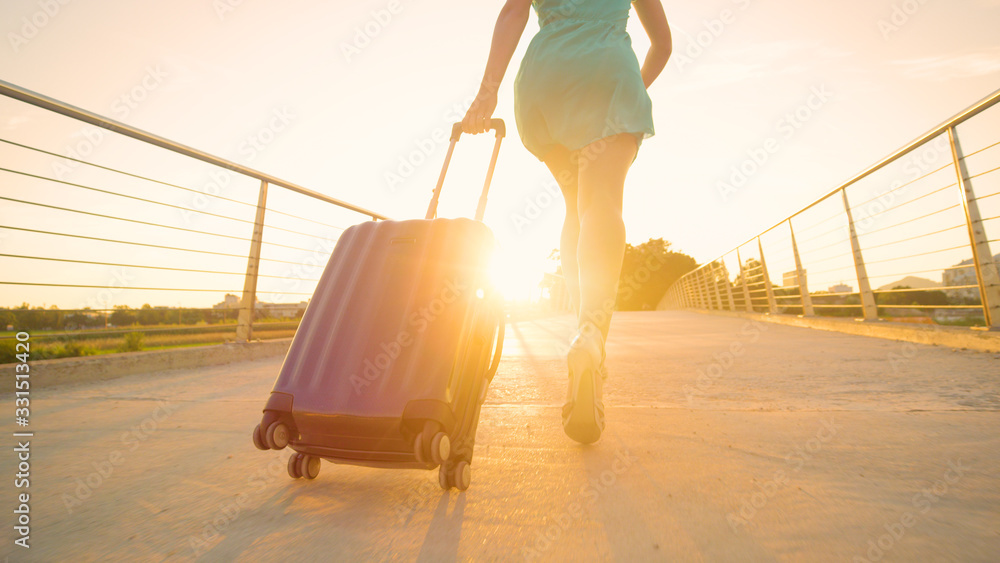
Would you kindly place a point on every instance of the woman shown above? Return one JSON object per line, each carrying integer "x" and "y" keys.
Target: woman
{"x": 581, "y": 107}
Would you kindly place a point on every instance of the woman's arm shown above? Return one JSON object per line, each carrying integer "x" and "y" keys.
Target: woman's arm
{"x": 660, "y": 43}
{"x": 506, "y": 35}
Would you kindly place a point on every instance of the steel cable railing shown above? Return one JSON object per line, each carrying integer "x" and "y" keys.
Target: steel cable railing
{"x": 130, "y": 224}
{"x": 893, "y": 231}
{"x": 171, "y": 185}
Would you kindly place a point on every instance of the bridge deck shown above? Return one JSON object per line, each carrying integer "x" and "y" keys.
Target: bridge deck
{"x": 727, "y": 440}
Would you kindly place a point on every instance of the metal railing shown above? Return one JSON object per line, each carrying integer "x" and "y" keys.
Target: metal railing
{"x": 125, "y": 214}
{"x": 912, "y": 214}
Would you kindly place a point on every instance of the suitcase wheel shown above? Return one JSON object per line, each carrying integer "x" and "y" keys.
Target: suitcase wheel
{"x": 276, "y": 436}
{"x": 440, "y": 448}
{"x": 462, "y": 475}
{"x": 458, "y": 475}
{"x": 258, "y": 440}
{"x": 437, "y": 452}
{"x": 303, "y": 465}
{"x": 309, "y": 466}
{"x": 293, "y": 466}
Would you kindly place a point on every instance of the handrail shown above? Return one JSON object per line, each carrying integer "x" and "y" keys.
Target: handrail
{"x": 51, "y": 104}
{"x": 973, "y": 110}
{"x": 699, "y": 288}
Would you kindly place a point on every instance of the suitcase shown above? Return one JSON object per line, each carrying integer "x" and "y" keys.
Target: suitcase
{"x": 396, "y": 349}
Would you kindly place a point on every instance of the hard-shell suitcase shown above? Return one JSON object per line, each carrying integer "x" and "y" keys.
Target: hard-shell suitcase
{"x": 396, "y": 349}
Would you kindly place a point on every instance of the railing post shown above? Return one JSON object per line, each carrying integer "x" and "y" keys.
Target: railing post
{"x": 747, "y": 301}
{"x": 800, "y": 274}
{"x": 729, "y": 289}
{"x": 710, "y": 289}
{"x": 244, "y": 327}
{"x": 772, "y": 304}
{"x": 986, "y": 270}
{"x": 867, "y": 297}
{"x": 696, "y": 283}
{"x": 716, "y": 294}
{"x": 703, "y": 298}
{"x": 693, "y": 290}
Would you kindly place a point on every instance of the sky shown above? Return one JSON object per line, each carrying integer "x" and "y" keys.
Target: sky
{"x": 352, "y": 99}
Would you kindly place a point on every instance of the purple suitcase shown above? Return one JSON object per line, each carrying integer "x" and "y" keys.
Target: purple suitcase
{"x": 396, "y": 350}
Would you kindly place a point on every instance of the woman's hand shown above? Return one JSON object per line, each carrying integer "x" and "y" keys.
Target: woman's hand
{"x": 653, "y": 20}
{"x": 477, "y": 119}
{"x": 506, "y": 33}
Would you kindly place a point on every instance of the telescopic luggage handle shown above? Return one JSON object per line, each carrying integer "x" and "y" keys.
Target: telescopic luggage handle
{"x": 500, "y": 128}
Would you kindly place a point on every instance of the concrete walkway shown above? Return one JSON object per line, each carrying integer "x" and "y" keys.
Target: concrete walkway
{"x": 728, "y": 440}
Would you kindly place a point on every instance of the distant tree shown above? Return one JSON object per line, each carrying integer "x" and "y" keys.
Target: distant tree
{"x": 82, "y": 320}
{"x": 7, "y": 318}
{"x": 149, "y": 316}
{"x": 648, "y": 270}
{"x": 38, "y": 318}
{"x": 190, "y": 316}
{"x": 123, "y": 316}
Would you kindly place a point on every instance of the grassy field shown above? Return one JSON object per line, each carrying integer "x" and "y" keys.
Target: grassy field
{"x": 52, "y": 344}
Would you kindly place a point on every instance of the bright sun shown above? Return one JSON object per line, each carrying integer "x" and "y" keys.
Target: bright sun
{"x": 517, "y": 277}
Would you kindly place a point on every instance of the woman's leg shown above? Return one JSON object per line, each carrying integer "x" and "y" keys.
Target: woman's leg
{"x": 601, "y": 247}
{"x": 564, "y": 168}
{"x": 601, "y": 169}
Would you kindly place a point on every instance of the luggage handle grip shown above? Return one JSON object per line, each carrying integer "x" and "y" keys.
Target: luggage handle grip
{"x": 496, "y": 125}
{"x": 456, "y": 133}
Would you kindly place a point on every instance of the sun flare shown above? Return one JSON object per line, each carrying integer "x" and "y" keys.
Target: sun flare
{"x": 517, "y": 277}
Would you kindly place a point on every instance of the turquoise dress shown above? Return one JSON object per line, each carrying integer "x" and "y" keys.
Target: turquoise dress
{"x": 580, "y": 80}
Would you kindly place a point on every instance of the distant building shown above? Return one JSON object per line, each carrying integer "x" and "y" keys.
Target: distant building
{"x": 963, "y": 273}
{"x": 282, "y": 310}
{"x": 791, "y": 279}
{"x": 229, "y": 302}
{"x": 841, "y": 288}
{"x": 273, "y": 310}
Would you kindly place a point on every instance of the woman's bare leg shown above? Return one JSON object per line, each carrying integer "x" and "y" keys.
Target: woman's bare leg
{"x": 601, "y": 169}
{"x": 564, "y": 168}
{"x": 601, "y": 247}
